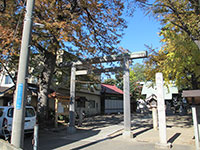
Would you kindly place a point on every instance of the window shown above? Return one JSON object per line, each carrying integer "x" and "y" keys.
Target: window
{"x": 1, "y": 112}
{"x": 81, "y": 104}
{"x": 10, "y": 112}
{"x": 92, "y": 104}
{"x": 97, "y": 105}
{"x": 8, "y": 79}
{"x": 29, "y": 112}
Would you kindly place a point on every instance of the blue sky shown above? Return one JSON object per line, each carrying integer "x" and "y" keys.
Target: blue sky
{"x": 142, "y": 30}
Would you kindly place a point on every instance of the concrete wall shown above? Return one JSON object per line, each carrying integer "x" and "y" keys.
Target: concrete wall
{"x": 4, "y": 145}
{"x": 113, "y": 106}
{"x": 89, "y": 110}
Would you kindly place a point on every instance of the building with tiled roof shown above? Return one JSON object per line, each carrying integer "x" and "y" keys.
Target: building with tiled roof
{"x": 111, "y": 89}
{"x": 111, "y": 99}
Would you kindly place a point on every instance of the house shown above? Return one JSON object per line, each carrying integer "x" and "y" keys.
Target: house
{"x": 7, "y": 89}
{"x": 6, "y": 95}
{"x": 86, "y": 99}
{"x": 149, "y": 90}
{"x": 111, "y": 99}
{"x": 92, "y": 103}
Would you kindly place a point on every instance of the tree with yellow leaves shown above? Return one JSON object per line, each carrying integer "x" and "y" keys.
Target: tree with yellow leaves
{"x": 183, "y": 15}
{"x": 178, "y": 59}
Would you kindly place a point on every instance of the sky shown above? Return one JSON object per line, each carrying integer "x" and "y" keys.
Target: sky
{"x": 142, "y": 30}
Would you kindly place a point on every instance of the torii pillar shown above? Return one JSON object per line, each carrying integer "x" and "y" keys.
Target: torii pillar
{"x": 112, "y": 58}
{"x": 126, "y": 89}
{"x": 72, "y": 129}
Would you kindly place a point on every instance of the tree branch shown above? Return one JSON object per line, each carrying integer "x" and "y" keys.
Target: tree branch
{"x": 13, "y": 80}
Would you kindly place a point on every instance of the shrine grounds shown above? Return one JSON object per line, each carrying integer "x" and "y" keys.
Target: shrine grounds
{"x": 105, "y": 133}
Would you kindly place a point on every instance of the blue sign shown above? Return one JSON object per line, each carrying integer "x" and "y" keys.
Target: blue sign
{"x": 19, "y": 96}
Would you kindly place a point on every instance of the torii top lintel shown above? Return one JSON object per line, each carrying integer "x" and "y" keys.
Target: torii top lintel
{"x": 112, "y": 58}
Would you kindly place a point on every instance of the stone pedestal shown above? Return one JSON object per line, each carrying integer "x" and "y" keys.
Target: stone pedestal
{"x": 163, "y": 145}
{"x": 155, "y": 118}
{"x": 128, "y": 134}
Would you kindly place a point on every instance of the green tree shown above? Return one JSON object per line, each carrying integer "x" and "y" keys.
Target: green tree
{"x": 178, "y": 60}
{"x": 139, "y": 70}
{"x": 136, "y": 76}
{"x": 110, "y": 81}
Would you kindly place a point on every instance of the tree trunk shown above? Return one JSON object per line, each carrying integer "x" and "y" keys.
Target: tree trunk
{"x": 44, "y": 85}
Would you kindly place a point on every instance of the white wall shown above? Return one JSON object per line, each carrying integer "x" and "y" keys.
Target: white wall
{"x": 88, "y": 110}
{"x": 5, "y": 80}
{"x": 113, "y": 106}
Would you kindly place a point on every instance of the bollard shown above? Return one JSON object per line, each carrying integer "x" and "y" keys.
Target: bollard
{"x": 35, "y": 138}
{"x": 195, "y": 123}
{"x": 155, "y": 118}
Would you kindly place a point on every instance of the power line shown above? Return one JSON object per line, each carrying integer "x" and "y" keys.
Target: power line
{"x": 17, "y": 26}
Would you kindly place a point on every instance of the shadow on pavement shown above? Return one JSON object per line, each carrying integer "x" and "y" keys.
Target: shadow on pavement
{"x": 102, "y": 121}
{"x": 95, "y": 142}
{"x": 91, "y": 126}
{"x": 180, "y": 121}
{"x": 173, "y": 138}
{"x": 142, "y": 131}
{"x": 54, "y": 139}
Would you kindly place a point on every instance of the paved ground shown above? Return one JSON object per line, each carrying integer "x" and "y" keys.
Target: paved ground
{"x": 105, "y": 133}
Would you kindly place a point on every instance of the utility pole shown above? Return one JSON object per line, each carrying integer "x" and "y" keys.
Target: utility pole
{"x": 17, "y": 138}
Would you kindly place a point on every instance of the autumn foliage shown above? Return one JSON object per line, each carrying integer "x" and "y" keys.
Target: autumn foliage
{"x": 79, "y": 27}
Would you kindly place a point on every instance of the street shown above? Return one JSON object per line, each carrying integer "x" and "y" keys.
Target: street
{"x": 97, "y": 134}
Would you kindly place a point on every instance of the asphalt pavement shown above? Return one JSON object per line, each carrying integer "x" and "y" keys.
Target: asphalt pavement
{"x": 105, "y": 133}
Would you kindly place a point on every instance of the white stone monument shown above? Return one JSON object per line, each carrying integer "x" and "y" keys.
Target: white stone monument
{"x": 161, "y": 112}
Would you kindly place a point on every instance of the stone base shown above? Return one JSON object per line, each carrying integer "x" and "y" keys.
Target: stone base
{"x": 163, "y": 145}
{"x": 128, "y": 134}
{"x": 71, "y": 130}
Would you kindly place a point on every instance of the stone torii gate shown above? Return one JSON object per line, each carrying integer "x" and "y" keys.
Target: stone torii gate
{"x": 125, "y": 58}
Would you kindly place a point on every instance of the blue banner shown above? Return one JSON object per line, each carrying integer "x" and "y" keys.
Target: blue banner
{"x": 19, "y": 96}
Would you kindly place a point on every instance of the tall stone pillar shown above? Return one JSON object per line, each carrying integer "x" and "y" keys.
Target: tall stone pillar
{"x": 161, "y": 112}
{"x": 127, "y": 110}
{"x": 196, "y": 128}
{"x": 71, "y": 129}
